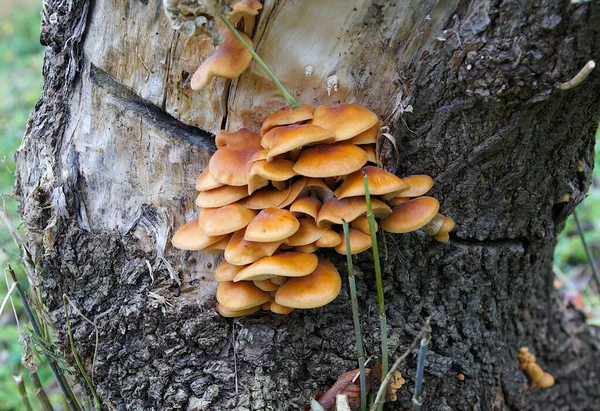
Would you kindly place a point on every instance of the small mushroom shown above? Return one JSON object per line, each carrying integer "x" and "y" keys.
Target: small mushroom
{"x": 281, "y": 140}
{"x": 344, "y": 120}
{"x": 381, "y": 183}
{"x": 285, "y": 117}
{"x": 225, "y": 220}
{"x": 191, "y": 237}
{"x": 314, "y": 290}
{"x": 240, "y": 296}
{"x": 242, "y": 252}
{"x": 272, "y": 224}
{"x": 221, "y": 196}
{"x": 246, "y": 11}
{"x": 411, "y": 216}
{"x": 229, "y": 60}
{"x": 331, "y": 160}
{"x": 419, "y": 185}
{"x": 289, "y": 264}
{"x": 334, "y": 211}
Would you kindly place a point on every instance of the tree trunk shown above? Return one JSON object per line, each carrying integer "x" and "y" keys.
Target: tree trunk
{"x": 107, "y": 168}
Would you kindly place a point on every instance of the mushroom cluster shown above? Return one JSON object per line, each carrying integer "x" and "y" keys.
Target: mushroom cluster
{"x": 269, "y": 200}
{"x": 534, "y": 372}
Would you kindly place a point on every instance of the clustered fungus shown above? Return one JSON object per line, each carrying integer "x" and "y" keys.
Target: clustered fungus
{"x": 269, "y": 200}
{"x": 534, "y": 372}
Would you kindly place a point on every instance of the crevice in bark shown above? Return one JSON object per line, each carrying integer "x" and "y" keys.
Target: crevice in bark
{"x": 199, "y": 138}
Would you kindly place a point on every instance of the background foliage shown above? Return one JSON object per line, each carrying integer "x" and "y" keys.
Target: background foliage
{"x": 21, "y": 70}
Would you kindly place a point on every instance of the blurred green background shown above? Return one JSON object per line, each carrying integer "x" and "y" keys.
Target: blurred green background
{"x": 21, "y": 70}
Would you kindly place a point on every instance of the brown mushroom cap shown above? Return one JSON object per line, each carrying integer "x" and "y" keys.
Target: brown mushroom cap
{"x": 371, "y": 150}
{"x": 242, "y": 252}
{"x": 227, "y": 271}
{"x": 359, "y": 242}
{"x": 308, "y": 248}
{"x": 419, "y": 185}
{"x": 280, "y": 309}
{"x": 271, "y": 224}
{"x": 397, "y": 200}
{"x": 314, "y": 290}
{"x": 307, "y": 233}
{"x": 237, "y": 140}
{"x": 265, "y": 285}
{"x": 411, "y": 216}
{"x": 229, "y": 60}
{"x": 246, "y": 10}
{"x": 362, "y": 223}
{"x": 285, "y": 117}
{"x": 546, "y": 381}
{"x": 207, "y": 181}
{"x": 228, "y": 164}
{"x": 306, "y": 206}
{"x": 368, "y": 136}
{"x": 225, "y": 220}
{"x": 334, "y": 211}
{"x": 433, "y": 227}
{"x": 329, "y": 239}
{"x": 330, "y": 160}
{"x": 190, "y": 237}
{"x": 442, "y": 238}
{"x": 276, "y": 170}
{"x": 240, "y": 296}
{"x": 271, "y": 197}
{"x": 447, "y": 226}
{"x": 380, "y": 183}
{"x": 221, "y": 196}
{"x": 316, "y": 187}
{"x": 281, "y": 140}
{"x": 226, "y": 312}
{"x": 218, "y": 247}
{"x": 290, "y": 264}
{"x": 344, "y": 120}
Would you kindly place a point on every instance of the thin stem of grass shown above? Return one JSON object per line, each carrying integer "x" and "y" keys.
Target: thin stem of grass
{"x": 378, "y": 279}
{"x": 588, "y": 250}
{"x": 417, "y": 399}
{"x": 292, "y": 102}
{"x": 64, "y": 386}
{"x": 22, "y": 389}
{"x": 40, "y": 393}
{"x": 356, "y": 319}
{"x": 89, "y": 383}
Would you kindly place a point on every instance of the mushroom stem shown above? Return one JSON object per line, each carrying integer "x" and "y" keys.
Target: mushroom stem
{"x": 291, "y": 101}
{"x": 377, "y": 264}
{"x": 356, "y": 318}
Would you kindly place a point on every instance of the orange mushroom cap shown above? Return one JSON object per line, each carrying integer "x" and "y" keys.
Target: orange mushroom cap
{"x": 344, "y": 120}
{"x": 330, "y": 160}
{"x": 380, "y": 183}
{"x": 285, "y": 117}
{"x": 289, "y": 264}
{"x": 190, "y": 237}
{"x": 411, "y": 216}
{"x": 240, "y": 296}
{"x": 271, "y": 224}
{"x": 229, "y": 60}
{"x": 225, "y": 220}
{"x": 281, "y": 140}
{"x": 314, "y": 290}
{"x": 242, "y": 252}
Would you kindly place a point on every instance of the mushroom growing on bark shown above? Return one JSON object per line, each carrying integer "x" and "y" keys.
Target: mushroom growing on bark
{"x": 270, "y": 202}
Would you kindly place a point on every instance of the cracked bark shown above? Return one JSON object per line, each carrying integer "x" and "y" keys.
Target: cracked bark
{"x": 107, "y": 167}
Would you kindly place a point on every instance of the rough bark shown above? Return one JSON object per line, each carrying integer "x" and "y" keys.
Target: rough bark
{"x": 107, "y": 167}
